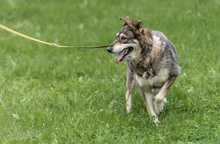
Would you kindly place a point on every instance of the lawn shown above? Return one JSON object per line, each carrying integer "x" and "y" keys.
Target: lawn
{"x": 71, "y": 96}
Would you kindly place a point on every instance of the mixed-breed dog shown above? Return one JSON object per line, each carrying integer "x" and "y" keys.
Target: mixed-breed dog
{"x": 151, "y": 61}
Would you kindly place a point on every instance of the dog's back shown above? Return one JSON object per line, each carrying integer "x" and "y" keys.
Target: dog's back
{"x": 165, "y": 52}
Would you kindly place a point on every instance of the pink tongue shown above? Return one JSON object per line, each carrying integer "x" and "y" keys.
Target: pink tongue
{"x": 120, "y": 56}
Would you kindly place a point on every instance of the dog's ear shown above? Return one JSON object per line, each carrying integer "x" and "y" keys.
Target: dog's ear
{"x": 126, "y": 20}
{"x": 137, "y": 24}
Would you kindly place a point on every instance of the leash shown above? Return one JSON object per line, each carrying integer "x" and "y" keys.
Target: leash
{"x": 47, "y": 43}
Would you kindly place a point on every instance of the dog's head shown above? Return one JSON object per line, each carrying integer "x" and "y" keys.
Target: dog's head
{"x": 130, "y": 40}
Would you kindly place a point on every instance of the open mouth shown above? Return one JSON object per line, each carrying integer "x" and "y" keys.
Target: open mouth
{"x": 122, "y": 54}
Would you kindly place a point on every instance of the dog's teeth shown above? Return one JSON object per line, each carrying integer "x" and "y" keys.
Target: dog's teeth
{"x": 126, "y": 51}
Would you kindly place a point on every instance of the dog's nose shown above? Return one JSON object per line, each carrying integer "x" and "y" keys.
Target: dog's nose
{"x": 109, "y": 49}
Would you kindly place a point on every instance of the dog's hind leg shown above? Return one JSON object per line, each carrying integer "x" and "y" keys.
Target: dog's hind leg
{"x": 160, "y": 97}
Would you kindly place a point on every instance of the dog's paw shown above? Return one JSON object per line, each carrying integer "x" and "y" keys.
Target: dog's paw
{"x": 159, "y": 106}
{"x": 156, "y": 121}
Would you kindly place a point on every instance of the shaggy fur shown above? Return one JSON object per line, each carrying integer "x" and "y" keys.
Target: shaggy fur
{"x": 151, "y": 61}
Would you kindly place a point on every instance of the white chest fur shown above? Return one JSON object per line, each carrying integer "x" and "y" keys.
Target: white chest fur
{"x": 156, "y": 81}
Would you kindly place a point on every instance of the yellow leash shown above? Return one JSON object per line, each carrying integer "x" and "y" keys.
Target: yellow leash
{"x": 47, "y": 43}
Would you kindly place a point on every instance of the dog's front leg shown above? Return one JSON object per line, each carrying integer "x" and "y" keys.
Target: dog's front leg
{"x": 130, "y": 85}
{"x": 160, "y": 97}
{"x": 148, "y": 99}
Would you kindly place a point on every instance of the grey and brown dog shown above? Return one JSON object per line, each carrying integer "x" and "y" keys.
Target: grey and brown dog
{"x": 151, "y": 61}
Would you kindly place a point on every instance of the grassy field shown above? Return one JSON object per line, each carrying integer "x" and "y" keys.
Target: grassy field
{"x": 71, "y": 96}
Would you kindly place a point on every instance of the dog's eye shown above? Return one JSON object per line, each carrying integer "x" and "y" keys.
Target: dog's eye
{"x": 123, "y": 38}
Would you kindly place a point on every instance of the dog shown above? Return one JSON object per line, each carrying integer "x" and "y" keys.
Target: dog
{"x": 151, "y": 61}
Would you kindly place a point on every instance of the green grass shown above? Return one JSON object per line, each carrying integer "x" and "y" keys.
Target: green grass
{"x": 52, "y": 95}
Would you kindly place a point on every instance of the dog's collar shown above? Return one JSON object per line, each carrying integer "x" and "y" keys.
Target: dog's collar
{"x": 143, "y": 66}
{"x": 141, "y": 70}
